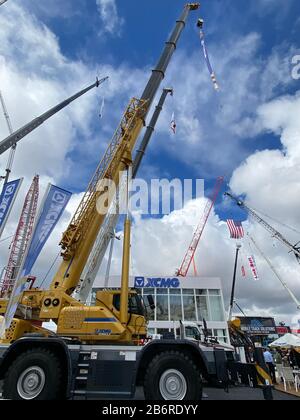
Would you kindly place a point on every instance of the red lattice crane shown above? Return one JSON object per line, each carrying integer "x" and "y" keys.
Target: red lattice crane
{"x": 21, "y": 238}
{"x": 190, "y": 254}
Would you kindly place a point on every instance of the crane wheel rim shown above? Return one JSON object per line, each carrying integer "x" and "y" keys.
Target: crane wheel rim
{"x": 173, "y": 385}
{"x": 31, "y": 383}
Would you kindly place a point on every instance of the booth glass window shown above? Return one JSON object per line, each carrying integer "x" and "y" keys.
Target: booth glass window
{"x": 202, "y": 308}
{"x": 162, "y": 310}
{"x": 201, "y": 292}
{"x": 214, "y": 292}
{"x": 187, "y": 292}
{"x": 175, "y": 291}
{"x": 148, "y": 292}
{"x": 220, "y": 335}
{"x": 150, "y": 312}
{"x": 216, "y": 309}
{"x": 162, "y": 291}
{"x": 189, "y": 308}
{"x": 175, "y": 308}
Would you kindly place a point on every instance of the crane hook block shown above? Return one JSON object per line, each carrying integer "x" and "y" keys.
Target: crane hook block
{"x": 200, "y": 23}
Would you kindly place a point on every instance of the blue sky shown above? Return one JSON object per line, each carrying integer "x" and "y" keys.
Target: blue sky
{"x": 137, "y": 42}
{"x": 248, "y": 131}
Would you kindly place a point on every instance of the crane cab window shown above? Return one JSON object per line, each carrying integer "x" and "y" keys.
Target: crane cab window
{"x": 135, "y": 305}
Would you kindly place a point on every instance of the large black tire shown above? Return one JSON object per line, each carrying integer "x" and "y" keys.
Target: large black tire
{"x": 34, "y": 375}
{"x": 167, "y": 370}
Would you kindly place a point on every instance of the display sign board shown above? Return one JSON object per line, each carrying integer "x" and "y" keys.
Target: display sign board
{"x": 283, "y": 330}
{"x": 55, "y": 202}
{"x": 157, "y": 282}
{"x": 7, "y": 198}
{"x": 258, "y": 326}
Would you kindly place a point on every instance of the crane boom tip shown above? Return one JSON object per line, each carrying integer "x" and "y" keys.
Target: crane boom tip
{"x": 193, "y": 6}
{"x": 100, "y": 81}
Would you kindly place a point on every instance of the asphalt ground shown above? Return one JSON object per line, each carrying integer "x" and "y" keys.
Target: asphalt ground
{"x": 234, "y": 394}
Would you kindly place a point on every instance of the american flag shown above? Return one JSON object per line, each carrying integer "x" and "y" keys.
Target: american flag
{"x": 236, "y": 229}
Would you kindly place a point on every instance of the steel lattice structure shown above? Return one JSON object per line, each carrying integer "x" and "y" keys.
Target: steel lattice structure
{"x": 21, "y": 238}
{"x": 189, "y": 256}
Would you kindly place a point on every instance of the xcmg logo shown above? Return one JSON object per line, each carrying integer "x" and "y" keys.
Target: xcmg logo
{"x": 157, "y": 282}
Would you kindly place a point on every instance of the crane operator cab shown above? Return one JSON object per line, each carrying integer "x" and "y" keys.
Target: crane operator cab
{"x": 101, "y": 322}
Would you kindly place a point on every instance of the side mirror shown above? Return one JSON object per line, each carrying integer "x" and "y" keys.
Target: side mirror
{"x": 151, "y": 302}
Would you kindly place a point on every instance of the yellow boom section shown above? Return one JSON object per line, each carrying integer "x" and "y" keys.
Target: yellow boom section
{"x": 78, "y": 240}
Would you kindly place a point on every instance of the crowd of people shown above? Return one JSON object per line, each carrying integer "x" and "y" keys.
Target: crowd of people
{"x": 287, "y": 358}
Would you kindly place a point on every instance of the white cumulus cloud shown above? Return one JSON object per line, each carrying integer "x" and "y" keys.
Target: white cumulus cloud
{"x": 112, "y": 22}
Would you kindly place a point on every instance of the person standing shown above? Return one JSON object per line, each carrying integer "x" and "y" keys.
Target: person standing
{"x": 270, "y": 363}
{"x": 278, "y": 357}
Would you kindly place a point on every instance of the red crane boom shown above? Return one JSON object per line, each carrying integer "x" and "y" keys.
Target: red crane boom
{"x": 21, "y": 238}
{"x": 189, "y": 256}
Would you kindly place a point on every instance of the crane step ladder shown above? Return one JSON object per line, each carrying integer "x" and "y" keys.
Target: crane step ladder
{"x": 79, "y": 386}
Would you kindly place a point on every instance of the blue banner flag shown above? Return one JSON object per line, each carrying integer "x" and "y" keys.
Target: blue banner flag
{"x": 53, "y": 207}
{"x": 206, "y": 57}
{"x": 7, "y": 198}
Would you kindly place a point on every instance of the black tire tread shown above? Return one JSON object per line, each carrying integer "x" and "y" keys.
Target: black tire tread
{"x": 57, "y": 392}
{"x": 156, "y": 360}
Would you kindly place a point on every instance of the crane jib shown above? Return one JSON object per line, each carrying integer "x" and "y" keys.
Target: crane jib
{"x": 78, "y": 240}
{"x": 18, "y": 135}
{"x": 266, "y": 225}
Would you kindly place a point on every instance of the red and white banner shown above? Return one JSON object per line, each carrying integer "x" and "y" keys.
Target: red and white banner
{"x": 253, "y": 267}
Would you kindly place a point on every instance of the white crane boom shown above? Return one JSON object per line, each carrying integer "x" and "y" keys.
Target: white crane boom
{"x": 14, "y": 146}
{"x": 18, "y": 135}
{"x": 275, "y": 272}
{"x": 293, "y": 248}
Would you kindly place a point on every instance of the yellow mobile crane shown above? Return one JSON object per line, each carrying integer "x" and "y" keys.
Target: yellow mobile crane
{"x": 71, "y": 316}
{"x": 96, "y": 350}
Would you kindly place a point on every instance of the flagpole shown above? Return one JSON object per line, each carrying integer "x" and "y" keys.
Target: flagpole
{"x": 238, "y": 247}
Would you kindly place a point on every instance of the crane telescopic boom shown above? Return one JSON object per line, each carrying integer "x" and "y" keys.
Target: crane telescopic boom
{"x": 78, "y": 240}
{"x": 106, "y": 234}
{"x": 293, "y": 248}
{"x": 18, "y": 135}
{"x": 13, "y": 149}
{"x": 150, "y": 129}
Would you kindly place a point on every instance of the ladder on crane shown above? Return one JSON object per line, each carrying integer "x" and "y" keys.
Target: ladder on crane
{"x": 275, "y": 234}
{"x": 190, "y": 254}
